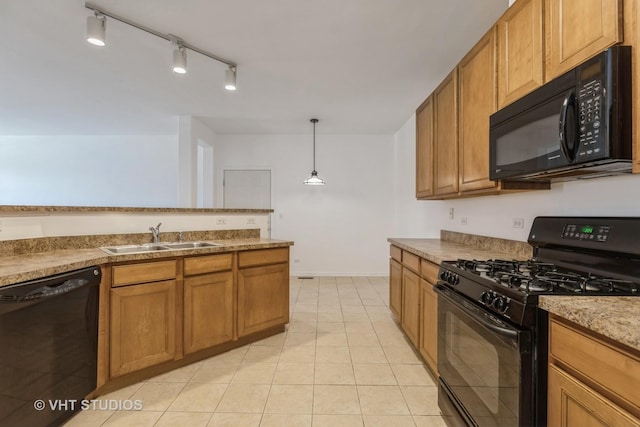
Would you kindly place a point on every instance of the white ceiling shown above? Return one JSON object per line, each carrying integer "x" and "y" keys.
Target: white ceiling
{"x": 360, "y": 66}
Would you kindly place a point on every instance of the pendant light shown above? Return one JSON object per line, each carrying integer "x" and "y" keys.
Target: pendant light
{"x": 314, "y": 179}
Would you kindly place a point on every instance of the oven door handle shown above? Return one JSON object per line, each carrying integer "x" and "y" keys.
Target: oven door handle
{"x": 487, "y": 323}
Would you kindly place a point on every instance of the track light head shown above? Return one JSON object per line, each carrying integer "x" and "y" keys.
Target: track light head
{"x": 180, "y": 60}
{"x": 96, "y": 29}
{"x": 230, "y": 79}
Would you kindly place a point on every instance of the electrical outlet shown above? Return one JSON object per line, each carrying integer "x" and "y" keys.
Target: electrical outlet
{"x": 221, "y": 221}
{"x": 450, "y": 213}
{"x": 251, "y": 220}
{"x": 463, "y": 220}
{"x": 518, "y": 223}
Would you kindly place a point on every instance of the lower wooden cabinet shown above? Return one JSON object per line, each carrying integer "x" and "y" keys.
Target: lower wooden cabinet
{"x": 410, "y": 318}
{"x": 143, "y": 326}
{"x": 208, "y": 311}
{"x": 572, "y": 403}
{"x": 591, "y": 381}
{"x": 263, "y": 298}
{"x": 428, "y": 344}
{"x": 395, "y": 288}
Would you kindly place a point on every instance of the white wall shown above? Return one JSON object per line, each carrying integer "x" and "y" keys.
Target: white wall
{"x": 113, "y": 170}
{"x": 493, "y": 215}
{"x": 192, "y": 133}
{"x": 340, "y": 228}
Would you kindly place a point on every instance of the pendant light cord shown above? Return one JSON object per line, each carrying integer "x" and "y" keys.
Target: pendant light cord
{"x": 314, "y": 121}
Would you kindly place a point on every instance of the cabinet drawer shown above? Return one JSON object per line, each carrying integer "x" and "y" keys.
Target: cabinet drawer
{"x": 263, "y": 257}
{"x": 144, "y": 272}
{"x": 615, "y": 370}
{"x": 207, "y": 264}
{"x": 396, "y": 253}
{"x": 429, "y": 270}
{"x": 410, "y": 260}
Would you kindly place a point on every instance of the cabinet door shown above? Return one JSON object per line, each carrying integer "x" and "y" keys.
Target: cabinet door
{"x": 208, "y": 311}
{"x": 577, "y": 30}
{"x": 411, "y": 305}
{"x": 429, "y": 325}
{"x": 263, "y": 298}
{"x": 395, "y": 287}
{"x": 143, "y": 326}
{"x": 520, "y": 55}
{"x": 572, "y": 403}
{"x": 445, "y": 137}
{"x": 477, "y": 92}
{"x": 424, "y": 150}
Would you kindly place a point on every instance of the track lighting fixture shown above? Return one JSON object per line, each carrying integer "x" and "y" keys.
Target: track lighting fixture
{"x": 314, "y": 179}
{"x": 179, "y": 56}
{"x": 96, "y": 26}
{"x": 230, "y": 78}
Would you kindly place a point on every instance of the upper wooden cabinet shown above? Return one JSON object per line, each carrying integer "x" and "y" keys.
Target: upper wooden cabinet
{"x": 577, "y": 30}
{"x": 520, "y": 50}
{"x": 445, "y": 136}
{"x": 424, "y": 149}
{"x": 477, "y": 91}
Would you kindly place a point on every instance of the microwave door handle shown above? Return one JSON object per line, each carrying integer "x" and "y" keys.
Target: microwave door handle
{"x": 568, "y": 102}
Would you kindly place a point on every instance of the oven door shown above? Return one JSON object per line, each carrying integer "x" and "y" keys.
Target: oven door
{"x": 485, "y": 366}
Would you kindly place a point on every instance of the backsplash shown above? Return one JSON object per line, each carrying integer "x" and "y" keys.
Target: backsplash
{"x": 519, "y": 249}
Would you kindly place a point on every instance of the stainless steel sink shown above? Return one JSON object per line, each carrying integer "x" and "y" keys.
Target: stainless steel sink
{"x": 156, "y": 247}
{"x": 191, "y": 245}
{"x": 134, "y": 249}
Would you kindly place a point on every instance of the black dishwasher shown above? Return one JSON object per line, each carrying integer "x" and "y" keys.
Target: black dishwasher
{"x": 48, "y": 347}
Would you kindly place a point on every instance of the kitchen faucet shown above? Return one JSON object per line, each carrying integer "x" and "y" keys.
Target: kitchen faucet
{"x": 156, "y": 232}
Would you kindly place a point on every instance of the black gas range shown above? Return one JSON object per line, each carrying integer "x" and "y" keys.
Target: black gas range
{"x": 492, "y": 336}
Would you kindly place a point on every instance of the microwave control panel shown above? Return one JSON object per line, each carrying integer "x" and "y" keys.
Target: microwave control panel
{"x": 590, "y": 105}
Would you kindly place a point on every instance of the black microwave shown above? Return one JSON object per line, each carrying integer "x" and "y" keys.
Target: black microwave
{"x": 577, "y": 125}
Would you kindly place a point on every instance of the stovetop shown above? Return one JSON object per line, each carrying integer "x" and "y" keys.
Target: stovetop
{"x": 542, "y": 278}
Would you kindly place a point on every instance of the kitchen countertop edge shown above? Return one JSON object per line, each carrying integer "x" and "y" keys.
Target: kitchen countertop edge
{"x": 21, "y": 268}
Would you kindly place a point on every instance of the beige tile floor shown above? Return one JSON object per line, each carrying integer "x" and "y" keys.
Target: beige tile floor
{"x": 341, "y": 362}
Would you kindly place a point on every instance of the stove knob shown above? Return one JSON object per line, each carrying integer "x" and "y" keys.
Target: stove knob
{"x": 486, "y": 297}
{"x": 456, "y": 279}
{"x": 500, "y": 304}
{"x": 444, "y": 275}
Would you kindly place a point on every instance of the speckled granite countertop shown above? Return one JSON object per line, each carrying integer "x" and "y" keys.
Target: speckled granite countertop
{"x": 438, "y": 250}
{"x": 19, "y": 268}
{"x": 615, "y": 317}
{"x": 11, "y": 209}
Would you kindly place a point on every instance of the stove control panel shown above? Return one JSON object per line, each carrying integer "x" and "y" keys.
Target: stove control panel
{"x": 495, "y": 300}
{"x": 594, "y": 233}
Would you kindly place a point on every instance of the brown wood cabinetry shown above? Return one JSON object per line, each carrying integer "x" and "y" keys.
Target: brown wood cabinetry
{"x": 578, "y": 30}
{"x": 520, "y": 50}
{"x": 414, "y": 303}
{"x": 477, "y": 91}
{"x": 263, "y": 290}
{"x": 395, "y": 288}
{"x": 143, "y": 326}
{"x": 410, "y": 318}
{"x": 208, "y": 301}
{"x": 592, "y": 382}
{"x": 445, "y": 136}
{"x": 428, "y": 343}
{"x": 424, "y": 149}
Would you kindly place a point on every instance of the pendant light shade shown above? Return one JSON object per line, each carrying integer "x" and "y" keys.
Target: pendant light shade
{"x": 96, "y": 29}
{"x": 314, "y": 179}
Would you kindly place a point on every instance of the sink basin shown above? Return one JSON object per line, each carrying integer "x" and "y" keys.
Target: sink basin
{"x": 191, "y": 245}
{"x": 156, "y": 247}
{"x": 134, "y": 249}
